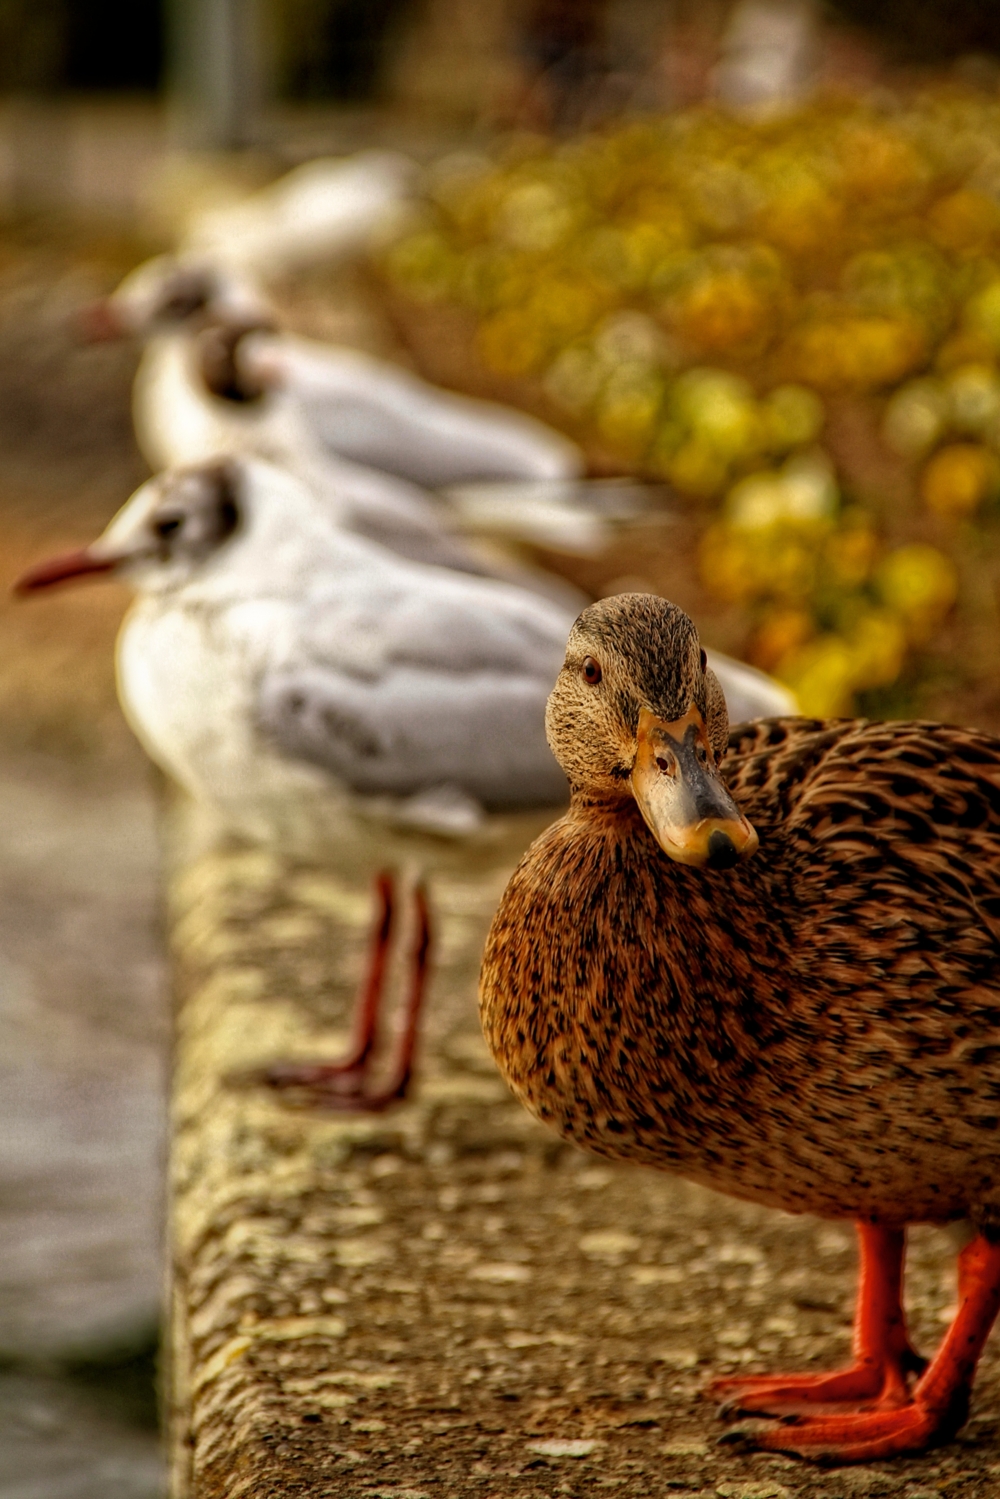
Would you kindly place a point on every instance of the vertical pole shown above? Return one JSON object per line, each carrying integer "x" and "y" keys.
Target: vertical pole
{"x": 215, "y": 71}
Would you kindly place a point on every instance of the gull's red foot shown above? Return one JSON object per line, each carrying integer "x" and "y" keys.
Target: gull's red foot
{"x": 344, "y": 1085}
{"x": 884, "y": 1359}
{"x": 939, "y": 1402}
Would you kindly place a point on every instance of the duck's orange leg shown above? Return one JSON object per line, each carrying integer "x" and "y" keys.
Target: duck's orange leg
{"x": 940, "y": 1401}
{"x": 883, "y": 1355}
{"x": 342, "y": 1085}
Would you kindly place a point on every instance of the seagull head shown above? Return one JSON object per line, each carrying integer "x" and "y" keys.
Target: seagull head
{"x": 166, "y": 294}
{"x": 171, "y": 527}
{"x": 188, "y": 525}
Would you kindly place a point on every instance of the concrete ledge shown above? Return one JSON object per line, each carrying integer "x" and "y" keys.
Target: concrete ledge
{"x": 444, "y": 1300}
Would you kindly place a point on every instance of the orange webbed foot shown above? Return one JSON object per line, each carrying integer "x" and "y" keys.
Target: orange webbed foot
{"x": 343, "y": 1085}
{"x": 857, "y": 1437}
{"x": 884, "y": 1360}
{"x": 870, "y": 1383}
{"x": 896, "y": 1421}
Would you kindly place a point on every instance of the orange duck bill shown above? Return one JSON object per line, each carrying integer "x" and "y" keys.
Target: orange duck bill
{"x": 686, "y": 804}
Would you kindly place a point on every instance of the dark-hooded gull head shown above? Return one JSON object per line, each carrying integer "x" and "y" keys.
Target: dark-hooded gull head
{"x": 171, "y": 293}
{"x": 253, "y": 523}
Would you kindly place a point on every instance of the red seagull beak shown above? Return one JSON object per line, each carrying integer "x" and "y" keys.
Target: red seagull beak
{"x": 99, "y": 322}
{"x": 59, "y": 569}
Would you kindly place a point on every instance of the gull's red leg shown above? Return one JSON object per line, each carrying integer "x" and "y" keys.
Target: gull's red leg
{"x": 883, "y": 1356}
{"x": 402, "y": 1068}
{"x": 940, "y": 1400}
{"x": 365, "y": 1020}
{"x": 340, "y": 1085}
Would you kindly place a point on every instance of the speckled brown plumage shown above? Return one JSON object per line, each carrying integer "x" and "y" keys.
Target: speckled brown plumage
{"x": 819, "y": 1028}
{"x": 816, "y": 1027}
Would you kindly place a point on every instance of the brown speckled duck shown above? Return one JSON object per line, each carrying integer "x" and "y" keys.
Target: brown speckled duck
{"x": 816, "y": 1027}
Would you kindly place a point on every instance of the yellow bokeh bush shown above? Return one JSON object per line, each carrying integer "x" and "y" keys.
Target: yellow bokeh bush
{"x": 695, "y": 294}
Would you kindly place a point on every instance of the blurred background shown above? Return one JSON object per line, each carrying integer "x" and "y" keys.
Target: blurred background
{"x": 749, "y": 253}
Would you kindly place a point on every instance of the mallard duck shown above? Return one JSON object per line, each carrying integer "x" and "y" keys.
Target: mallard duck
{"x": 770, "y": 962}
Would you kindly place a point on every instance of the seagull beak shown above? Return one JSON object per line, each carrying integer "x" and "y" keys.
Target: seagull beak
{"x": 684, "y": 801}
{"x": 258, "y": 360}
{"x": 99, "y": 322}
{"x": 60, "y": 569}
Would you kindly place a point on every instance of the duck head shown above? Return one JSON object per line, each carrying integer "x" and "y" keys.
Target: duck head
{"x": 637, "y": 713}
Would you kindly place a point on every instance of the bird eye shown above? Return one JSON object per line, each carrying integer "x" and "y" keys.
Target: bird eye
{"x": 591, "y": 671}
{"x": 168, "y": 525}
{"x": 183, "y": 297}
{"x": 704, "y": 661}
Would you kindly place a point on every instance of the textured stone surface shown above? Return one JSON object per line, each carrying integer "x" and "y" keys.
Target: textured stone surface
{"x": 445, "y": 1300}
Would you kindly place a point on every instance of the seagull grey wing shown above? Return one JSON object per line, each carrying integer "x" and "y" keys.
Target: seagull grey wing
{"x": 411, "y": 730}
{"x": 396, "y": 514}
{"x": 410, "y": 537}
{"x": 751, "y": 693}
{"x": 384, "y": 614}
{"x": 375, "y": 413}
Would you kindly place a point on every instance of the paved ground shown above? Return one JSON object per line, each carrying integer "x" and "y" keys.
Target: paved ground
{"x": 83, "y": 1025}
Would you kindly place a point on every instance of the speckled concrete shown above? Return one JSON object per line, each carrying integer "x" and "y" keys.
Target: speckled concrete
{"x": 444, "y": 1300}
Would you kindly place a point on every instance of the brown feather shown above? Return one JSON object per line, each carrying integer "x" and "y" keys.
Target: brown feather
{"x": 817, "y": 1028}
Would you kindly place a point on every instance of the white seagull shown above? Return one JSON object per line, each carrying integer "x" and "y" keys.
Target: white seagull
{"x": 324, "y": 209}
{"x": 270, "y": 654}
{"x": 200, "y": 397}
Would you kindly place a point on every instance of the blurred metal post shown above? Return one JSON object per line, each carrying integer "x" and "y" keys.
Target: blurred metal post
{"x": 215, "y": 71}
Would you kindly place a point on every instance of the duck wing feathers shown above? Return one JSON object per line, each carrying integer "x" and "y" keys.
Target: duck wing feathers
{"x": 901, "y": 821}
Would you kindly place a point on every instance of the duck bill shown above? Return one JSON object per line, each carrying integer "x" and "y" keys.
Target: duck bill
{"x": 686, "y": 804}
{"x": 62, "y": 569}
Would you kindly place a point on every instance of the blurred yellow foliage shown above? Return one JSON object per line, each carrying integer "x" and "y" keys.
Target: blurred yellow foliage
{"x": 695, "y": 291}
{"x": 856, "y": 353}
{"x": 920, "y": 584}
{"x": 959, "y": 479}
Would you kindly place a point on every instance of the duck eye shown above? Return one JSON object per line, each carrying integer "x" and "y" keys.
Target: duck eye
{"x": 704, "y": 661}
{"x": 168, "y": 525}
{"x": 591, "y": 671}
